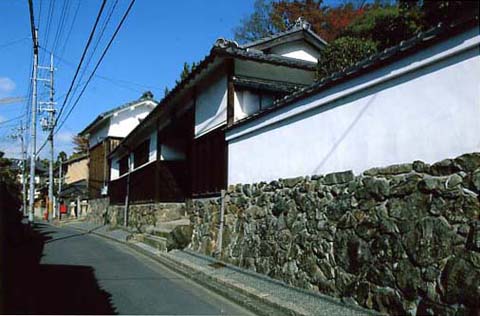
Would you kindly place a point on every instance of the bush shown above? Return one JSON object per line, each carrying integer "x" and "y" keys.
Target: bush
{"x": 343, "y": 52}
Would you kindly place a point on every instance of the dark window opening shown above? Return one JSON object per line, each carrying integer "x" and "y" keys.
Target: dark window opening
{"x": 140, "y": 154}
{"x": 123, "y": 165}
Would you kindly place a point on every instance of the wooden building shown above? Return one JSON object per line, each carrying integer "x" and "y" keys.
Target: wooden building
{"x": 179, "y": 150}
{"x": 105, "y": 133}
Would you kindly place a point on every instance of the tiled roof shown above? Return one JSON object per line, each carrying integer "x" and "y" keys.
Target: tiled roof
{"x": 257, "y": 55}
{"x": 300, "y": 26}
{"x": 389, "y": 55}
{"x": 221, "y": 48}
{"x": 147, "y": 96}
{"x": 263, "y": 84}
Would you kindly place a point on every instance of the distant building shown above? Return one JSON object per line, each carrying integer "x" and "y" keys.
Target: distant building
{"x": 105, "y": 133}
{"x": 74, "y": 191}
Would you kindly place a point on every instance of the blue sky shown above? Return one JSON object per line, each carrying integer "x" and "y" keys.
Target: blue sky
{"x": 149, "y": 52}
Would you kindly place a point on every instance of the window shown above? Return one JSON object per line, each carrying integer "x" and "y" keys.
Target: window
{"x": 123, "y": 165}
{"x": 252, "y": 101}
{"x": 140, "y": 154}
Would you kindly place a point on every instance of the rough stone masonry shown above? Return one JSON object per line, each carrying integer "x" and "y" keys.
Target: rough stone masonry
{"x": 404, "y": 239}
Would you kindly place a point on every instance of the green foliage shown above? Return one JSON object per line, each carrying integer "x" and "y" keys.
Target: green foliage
{"x": 62, "y": 156}
{"x": 447, "y": 11}
{"x": 386, "y": 25}
{"x": 8, "y": 176}
{"x": 343, "y": 52}
{"x": 187, "y": 69}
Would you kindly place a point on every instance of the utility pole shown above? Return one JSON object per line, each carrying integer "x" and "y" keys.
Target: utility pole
{"x": 33, "y": 129}
{"x": 48, "y": 125}
{"x": 60, "y": 186}
{"x": 19, "y": 134}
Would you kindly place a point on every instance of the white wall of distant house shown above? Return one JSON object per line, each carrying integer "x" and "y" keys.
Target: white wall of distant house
{"x": 121, "y": 123}
{"x": 211, "y": 107}
{"x": 99, "y": 134}
{"x": 298, "y": 50}
{"x": 124, "y": 121}
{"x": 425, "y": 106}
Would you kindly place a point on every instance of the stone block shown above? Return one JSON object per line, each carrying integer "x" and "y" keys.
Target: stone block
{"x": 444, "y": 168}
{"x": 390, "y": 170}
{"x": 468, "y": 162}
{"x": 338, "y": 177}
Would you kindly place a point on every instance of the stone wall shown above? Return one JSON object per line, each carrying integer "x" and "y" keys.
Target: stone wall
{"x": 404, "y": 239}
{"x": 145, "y": 217}
{"x": 97, "y": 209}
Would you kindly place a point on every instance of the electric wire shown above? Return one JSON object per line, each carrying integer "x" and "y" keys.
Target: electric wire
{"x": 60, "y": 27}
{"x": 98, "y": 63}
{"x": 92, "y": 32}
{"x": 67, "y": 38}
{"x": 98, "y": 39}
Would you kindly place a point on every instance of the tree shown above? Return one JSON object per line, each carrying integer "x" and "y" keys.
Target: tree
{"x": 271, "y": 17}
{"x": 80, "y": 144}
{"x": 447, "y": 11}
{"x": 386, "y": 25}
{"x": 187, "y": 69}
{"x": 259, "y": 24}
{"x": 62, "y": 156}
{"x": 8, "y": 176}
{"x": 328, "y": 22}
{"x": 342, "y": 53}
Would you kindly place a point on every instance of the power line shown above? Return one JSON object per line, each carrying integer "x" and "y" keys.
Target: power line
{"x": 51, "y": 9}
{"x": 99, "y": 37}
{"x": 98, "y": 63}
{"x": 61, "y": 22}
{"x": 122, "y": 83}
{"x": 39, "y": 13}
{"x": 12, "y": 119}
{"x": 81, "y": 60}
{"x": 14, "y": 42}
{"x": 62, "y": 50}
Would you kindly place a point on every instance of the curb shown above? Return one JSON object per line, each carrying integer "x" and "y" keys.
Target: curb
{"x": 239, "y": 296}
{"x": 257, "y": 304}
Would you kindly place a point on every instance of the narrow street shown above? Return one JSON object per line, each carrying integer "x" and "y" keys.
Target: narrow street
{"x": 79, "y": 273}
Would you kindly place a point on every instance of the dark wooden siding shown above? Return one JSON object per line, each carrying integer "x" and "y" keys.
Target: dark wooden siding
{"x": 96, "y": 170}
{"x": 209, "y": 164}
{"x": 98, "y": 166}
{"x": 160, "y": 181}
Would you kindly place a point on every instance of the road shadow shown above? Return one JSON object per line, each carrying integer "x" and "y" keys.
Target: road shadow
{"x": 30, "y": 287}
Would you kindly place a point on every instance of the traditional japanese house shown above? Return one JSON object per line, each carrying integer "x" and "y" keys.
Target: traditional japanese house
{"x": 105, "y": 133}
{"x": 179, "y": 149}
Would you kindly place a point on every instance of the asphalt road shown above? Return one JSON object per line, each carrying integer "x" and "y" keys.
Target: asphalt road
{"x": 80, "y": 273}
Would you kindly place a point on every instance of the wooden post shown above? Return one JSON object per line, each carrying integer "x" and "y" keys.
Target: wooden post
{"x": 218, "y": 253}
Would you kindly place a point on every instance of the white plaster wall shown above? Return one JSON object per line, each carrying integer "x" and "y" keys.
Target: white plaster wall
{"x": 114, "y": 170}
{"x": 297, "y": 50}
{"x": 99, "y": 134}
{"x": 245, "y": 103}
{"x": 211, "y": 107}
{"x": 273, "y": 72}
{"x": 424, "y": 107}
{"x": 152, "y": 155}
{"x": 123, "y": 122}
